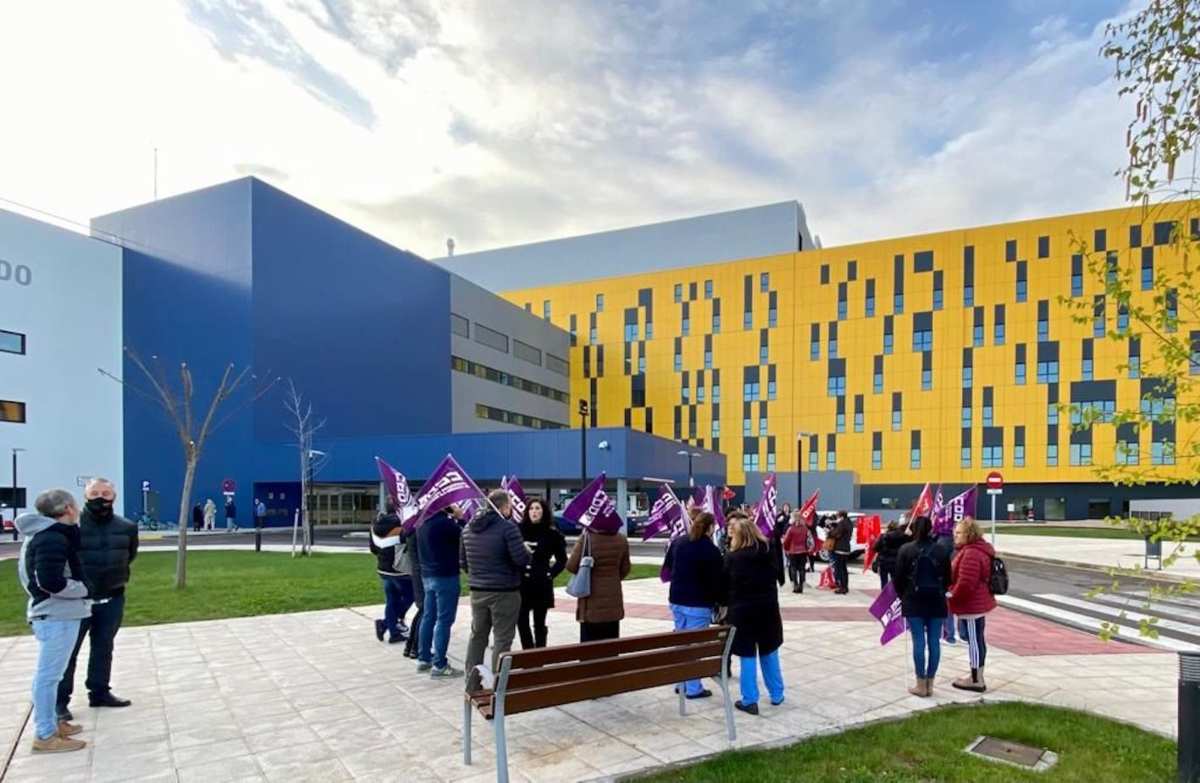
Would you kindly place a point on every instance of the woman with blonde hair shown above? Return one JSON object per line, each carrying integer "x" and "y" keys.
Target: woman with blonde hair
{"x": 971, "y": 596}
{"x": 752, "y": 580}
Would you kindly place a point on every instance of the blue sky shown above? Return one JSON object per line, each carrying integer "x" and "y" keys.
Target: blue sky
{"x": 499, "y": 123}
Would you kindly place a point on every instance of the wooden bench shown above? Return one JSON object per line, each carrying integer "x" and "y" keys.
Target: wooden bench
{"x": 552, "y": 676}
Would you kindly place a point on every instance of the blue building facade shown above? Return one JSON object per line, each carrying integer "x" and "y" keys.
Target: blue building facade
{"x": 244, "y": 274}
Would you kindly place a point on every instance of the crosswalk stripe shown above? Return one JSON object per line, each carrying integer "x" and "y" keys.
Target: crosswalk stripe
{"x": 1186, "y": 601}
{"x": 1156, "y": 605}
{"x": 1130, "y": 615}
{"x": 1092, "y": 624}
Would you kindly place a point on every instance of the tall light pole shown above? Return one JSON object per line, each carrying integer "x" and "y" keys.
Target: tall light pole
{"x": 689, "y": 455}
{"x": 800, "y": 436}
{"x": 16, "y": 507}
{"x": 583, "y": 417}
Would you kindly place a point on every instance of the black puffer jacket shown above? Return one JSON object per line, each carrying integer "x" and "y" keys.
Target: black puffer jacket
{"x": 386, "y": 534}
{"x": 887, "y": 549}
{"x": 548, "y": 560}
{"x": 107, "y": 547}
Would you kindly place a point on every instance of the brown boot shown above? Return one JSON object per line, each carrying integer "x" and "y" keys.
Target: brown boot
{"x": 972, "y": 682}
{"x": 921, "y": 688}
{"x": 68, "y": 729}
{"x": 57, "y": 744}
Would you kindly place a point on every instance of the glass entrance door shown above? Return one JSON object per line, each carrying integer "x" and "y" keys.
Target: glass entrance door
{"x": 345, "y": 504}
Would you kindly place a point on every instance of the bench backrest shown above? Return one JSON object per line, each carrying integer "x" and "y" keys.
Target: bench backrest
{"x": 552, "y": 676}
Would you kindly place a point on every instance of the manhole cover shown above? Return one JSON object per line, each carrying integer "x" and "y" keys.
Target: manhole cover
{"x": 1024, "y": 756}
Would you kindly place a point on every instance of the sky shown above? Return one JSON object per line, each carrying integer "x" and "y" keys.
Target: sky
{"x": 499, "y": 123}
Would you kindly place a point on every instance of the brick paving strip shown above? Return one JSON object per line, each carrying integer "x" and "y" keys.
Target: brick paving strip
{"x": 313, "y": 696}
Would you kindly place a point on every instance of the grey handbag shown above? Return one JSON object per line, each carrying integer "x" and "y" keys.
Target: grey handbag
{"x": 580, "y": 585}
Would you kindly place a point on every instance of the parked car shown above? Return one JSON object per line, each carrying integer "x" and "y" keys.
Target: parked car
{"x": 825, "y": 522}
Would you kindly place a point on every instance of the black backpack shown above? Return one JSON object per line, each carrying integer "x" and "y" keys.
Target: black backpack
{"x": 926, "y": 576}
{"x": 998, "y": 580}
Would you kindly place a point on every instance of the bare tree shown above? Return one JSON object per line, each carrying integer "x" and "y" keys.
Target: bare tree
{"x": 304, "y": 427}
{"x": 193, "y": 432}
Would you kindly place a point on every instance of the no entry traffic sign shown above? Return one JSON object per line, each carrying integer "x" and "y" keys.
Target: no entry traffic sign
{"x": 995, "y": 483}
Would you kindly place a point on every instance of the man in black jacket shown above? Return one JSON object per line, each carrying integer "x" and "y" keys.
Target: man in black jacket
{"x": 394, "y": 566}
{"x": 109, "y": 543}
{"x": 841, "y": 551}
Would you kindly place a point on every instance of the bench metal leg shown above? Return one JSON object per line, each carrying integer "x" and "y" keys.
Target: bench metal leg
{"x": 729, "y": 727}
{"x": 467, "y": 707}
{"x": 501, "y": 750}
{"x": 682, "y": 699}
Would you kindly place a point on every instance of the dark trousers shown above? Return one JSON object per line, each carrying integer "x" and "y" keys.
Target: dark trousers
{"x": 796, "y": 567}
{"x": 885, "y": 576}
{"x": 398, "y": 598}
{"x": 598, "y": 632}
{"x": 535, "y": 637}
{"x": 102, "y": 626}
{"x": 410, "y": 648}
{"x": 840, "y": 574}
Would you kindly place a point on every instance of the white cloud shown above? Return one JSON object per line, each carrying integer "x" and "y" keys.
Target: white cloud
{"x": 502, "y": 123}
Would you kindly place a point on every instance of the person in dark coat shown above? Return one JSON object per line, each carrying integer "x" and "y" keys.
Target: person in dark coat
{"x": 393, "y": 563}
{"x": 108, "y": 546}
{"x": 695, "y": 566}
{"x": 418, "y": 588}
{"x": 197, "y": 517}
{"x": 751, "y": 590}
{"x": 782, "y": 522}
{"x": 537, "y": 583}
{"x": 600, "y": 614}
{"x": 887, "y": 549}
{"x": 843, "y": 529}
{"x": 922, "y": 578}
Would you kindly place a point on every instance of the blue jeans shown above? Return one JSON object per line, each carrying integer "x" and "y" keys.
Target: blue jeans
{"x": 398, "y": 599}
{"x": 688, "y": 618}
{"x": 772, "y": 676}
{"x": 441, "y": 604}
{"x": 56, "y": 640}
{"x": 926, "y": 632}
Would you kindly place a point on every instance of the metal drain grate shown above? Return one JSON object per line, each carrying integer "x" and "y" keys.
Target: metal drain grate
{"x": 1014, "y": 753}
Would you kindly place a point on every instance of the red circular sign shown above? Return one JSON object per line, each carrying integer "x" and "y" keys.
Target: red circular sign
{"x": 995, "y": 480}
{"x": 228, "y": 485}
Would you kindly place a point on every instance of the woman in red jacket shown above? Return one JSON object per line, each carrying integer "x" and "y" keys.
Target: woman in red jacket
{"x": 798, "y": 542}
{"x": 971, "y": 596}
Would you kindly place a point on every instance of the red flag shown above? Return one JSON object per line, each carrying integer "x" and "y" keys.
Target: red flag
{"x": 827, "y": 581}
{"x": 809, "y": 509}
{"x": 924, "y": 505}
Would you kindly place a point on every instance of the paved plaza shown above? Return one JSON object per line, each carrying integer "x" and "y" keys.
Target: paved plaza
{"x": 313, "y": 697}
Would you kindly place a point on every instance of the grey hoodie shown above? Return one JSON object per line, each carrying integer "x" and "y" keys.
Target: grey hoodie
{"x": 44, "y": 545}
{"x": 493, "y": 553}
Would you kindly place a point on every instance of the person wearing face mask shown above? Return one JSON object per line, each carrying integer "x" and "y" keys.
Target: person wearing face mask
{"x": 108, "y": 544}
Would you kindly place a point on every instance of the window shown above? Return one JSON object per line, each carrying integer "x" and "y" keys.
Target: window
{"x": 762, "y": 426}
{"x": 836, "y": 386}
{"x": 708, "y": 360}
{"x": 1100, "y": 239}
{"x": 992, "y": 456}
{"x": 716, "y": 428}
{"x": 858, "y": 421}
{"x": 716, "y": 392}
{"x": 1194, "y": 355}
{"x": 1010, "y": 250}
{"x": 830, "y": 460}
{"x": 814, "y": 343}
{"x": 877, "y": 376}
{"x": 519, "y": 419}
{"x": 977, "y": 330}
{"x": 642, "y": 367}
{"x": 888, "y": 336}
{"x": 762, "y": 354}
{"x": 1019, "y": 455}
{"x": 1052, "y": 455}
{"x": 1052, "y": 413}
{"x": 458, "y": 325}
{"x": 967, "y": 417}
{"x": 12, "y": 411}
{"x": 764, "y": 282}
{"x": 685, "y": 327}
{"x": 1163, "y": 231}
{"x": 1043, "y": 320}
{"x": 914, "y": 459}
{"x": 1081, "y": 454}
{"x": 491, "y": 338}
{"x": 1099, "y": 320}
{"x": 876, "y": 459}
{"x": 679, "y": 292}
{"x": 1127, "y": 452}
{"x": 1020, "y": 374}
{"x": 593, "y": 336}
{"x": 839, "y": 421}
{"x": 923, "y": 340}
{"x": 685, "y": 393}
{"x": 1043, "y": 247}
{"x": 812, "y": 460}
{"x": 708, "y": 289}
{"x": 1047, "y": 371}
{"x": 527, "y": 353}
{"x": 824, "y": 274}
{"x": 937, "y": 290}
{"x": 770, "y": 460}
{"x": 1077, "y": 275}
{"x": 998, "y": 325}
{"x": 631, "y": 333}
{"x": 599, "y": 303}
{"x": 1147, "y": 268}
{"x": 968, "y": 377}
{"x": 926, "y": 380}
{"x": 748, "y": 319}
{"x": 1022, "y": 282}
{"x": 898, "y": 303}
{"x": 1122, "y": 318}
{"x": 897, "y": 420}
{"x": 833, "y": 341}
{"x": 546, "y": 309}
{"x": 699, "y": 391}
{"x": 750, "y": 391}
{"x": 746, "y": 426}
{"x": 842, "y": 304}
{"x": 965, "y": 458}
{"x": 770, "y": 390}
{"x": 678, "y": 362}
{"x": 968, "y": 276}
{"x": 870, "y": 302}
{"x": 559, "y": 366}
{"x": 1161, "y": 452}
{"x": 716, "y": 323}
{"x": 772, "y": 317}
{"x": 1087, "y": 369}
{"x": 1172, "y": 310}
{"x": 1135, "y": 367}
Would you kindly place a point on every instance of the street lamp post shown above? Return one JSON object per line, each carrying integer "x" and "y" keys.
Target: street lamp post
{"x": 15, "y": 506}
{"x": 690, "y": 455}
{"x": 800, "y": 436}
{"x": 583, "y": 417}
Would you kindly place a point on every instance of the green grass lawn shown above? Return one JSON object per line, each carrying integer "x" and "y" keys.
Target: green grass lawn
{"x": 1068, "y": 532}
{"x": 928, "y": 747}
{"x": 233, "y": 584}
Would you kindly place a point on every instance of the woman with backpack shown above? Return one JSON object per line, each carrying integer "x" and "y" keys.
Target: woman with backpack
{"x": 922, "y": 577}
{"x": 797, "y": 543}
{"x": 971, "y": 597}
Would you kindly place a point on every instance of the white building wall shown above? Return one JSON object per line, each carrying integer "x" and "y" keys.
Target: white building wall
{"x": 62, "y": 290}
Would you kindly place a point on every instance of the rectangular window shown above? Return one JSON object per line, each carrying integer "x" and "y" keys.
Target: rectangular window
{"x": 458, "y": 325}
{"x": 716, "y": 428}
{"x": 764, "y": 282}
{"x": 631, "y": 333}
{"x": 898, "y": 303}
{"x": 977, "y": 331}
{"x": 773, "y": 310}
{"x": 998, "y": 326}
{"x": 1010, "y": 250}
{"x": 762, "y": 354}
{"x": 708, "y": 360}
{"x": 1043, "y": 247}
{"x": 812, "y": 461}
{"x": 599, "y": 303}
{"x": 1052, "y": 413}
{"x": 746, "y": 426}
{"x": 546, "y": 309}
{"x": 770, "y": 390}
{"x": 1052, "y": 455}
{"x": 527, "y": 353}
{"x": 824, "y": 274}
{"x": 1043, "y": 320}
{"x": 708, "y": 289}
{"x": 923, "y": 261}
{"x": 748, "y": 320}
{"x": 965, "y": 458}
{"x": 762, "y": 427}
{"x": 699, "y": 390}
{"x": 1020, "y": 374}
{"x": 1099, "y": 318}
{"x": 1127, "y": 452}
{"x": 716, "y": 392}
{"x": 1081, "y": 454}
{"x": 1077, "y": 275}
{"x": 1022, "y": 281}
{"x": 679, "y": 292}
{"x": 858, "y": 421}
{"x": 1100, "y": 239}
{"x": 1194, "y": 354}
{"x": 593, "y": 335}
{"x": 1163, "y": 232}
{"x": 836, "y": 386}
{"x": 716, "y": 323}
{"x": 649, "y": 330}
{"x": 914, "y": 459}
{"x": 870, "y": 302}
{"x": 1161, "y": 452}
{"x": 1147, "y": 268}
{"x": 678, "y": 362}
{"x": 840, "y": 422}
{"x": 926, "y": 380}
{"x": 888, "y": 336}
{"x": 967, "y": 417}
{"x": 1018, "y": 456}
{"x": 12, "y": 411}
{"x": 968, "y": 377}
{"x": 491, "y": 338}
{"x": 814, "y": 342}
{"x": 842, "y": 305}
{"x": 685, "y": 326}
{"x": 1122, "y": 318}
{"x": 1172, "y": 310}
{"x": 519, "y": 419}
{"x": 877, "y": 376}
{"x": 876, "y": 459}
{"x": 988, "y": 405}
{"x": 559, "y": 366}
{"x": 833, "y": 340}
{"x": 770, "y": 460}
{"x": 830, "y": 460}
{"x": 897, "y": 411}
{"x": 938, "y": 298}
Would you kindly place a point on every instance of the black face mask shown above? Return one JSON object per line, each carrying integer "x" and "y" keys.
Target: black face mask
{"x": 100, "y": 507}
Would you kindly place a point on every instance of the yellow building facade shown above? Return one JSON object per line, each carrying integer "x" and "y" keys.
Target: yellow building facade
{"x": 937, "y": 357}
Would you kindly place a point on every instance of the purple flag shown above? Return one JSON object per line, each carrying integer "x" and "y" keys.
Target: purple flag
{"x": 765, "y": 510}
{"x": 667, "y": 514}
{"x": 447, "y": 485}
{"x": 516, "y": 495}
{"x": 594, "y": 509}
{"x": 397, "y": 489}
{"x": 886, "y": 609}
{"x": 939, "y": 513}
{"x": 709, "y": 499}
